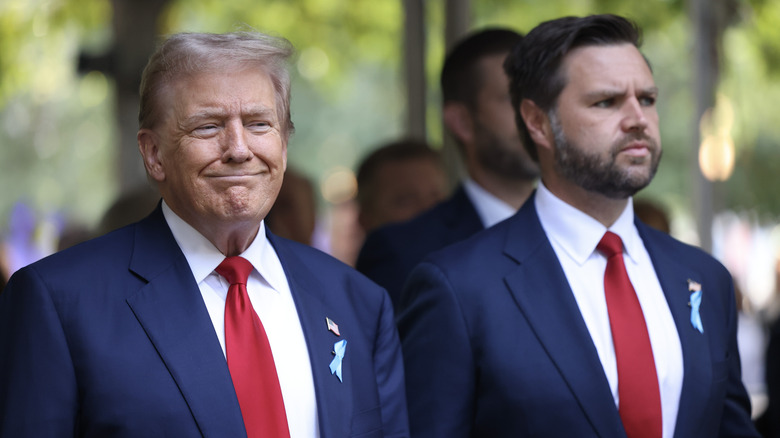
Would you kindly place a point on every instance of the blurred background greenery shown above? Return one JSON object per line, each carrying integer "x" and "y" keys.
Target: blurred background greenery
{"x": 62, "y": 77}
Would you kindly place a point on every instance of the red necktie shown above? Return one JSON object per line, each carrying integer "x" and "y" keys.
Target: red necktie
{"x": 249, "y": 357}
{"x": 638, "y": 393}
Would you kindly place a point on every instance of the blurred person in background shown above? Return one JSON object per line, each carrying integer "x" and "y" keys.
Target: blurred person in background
{"x": 127, "y": 208}
{"x": 769, "y": 422}
{"x": 652, "y": 214}
{"x": 294, "y": 214}
{"x": 478, "y": 114}
{"x": 752, "y": 344}
{"x": 398, "y": 181}
{"x": 394, "y": 182}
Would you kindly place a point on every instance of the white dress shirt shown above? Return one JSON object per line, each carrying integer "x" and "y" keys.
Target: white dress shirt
{"x": 490, "y": 209}
{"x": 574, "y": 236}
{"x": 271, "y": 298}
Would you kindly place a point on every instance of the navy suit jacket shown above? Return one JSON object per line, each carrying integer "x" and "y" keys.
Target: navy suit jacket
{"x": 111, "y": 338}
{"x": 390, "y": 252}
{"x": 495, "y": 346}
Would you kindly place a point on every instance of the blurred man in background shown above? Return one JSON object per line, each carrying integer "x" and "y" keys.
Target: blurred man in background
{"x": 398, "y": 181}
{"x": 500, "y": 176}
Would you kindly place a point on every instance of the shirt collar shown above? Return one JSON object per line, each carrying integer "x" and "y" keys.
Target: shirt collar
{"x": 577, "y": 233}
{"x": 625, "y": 228}
{"x": 203, "y": 257}
{"x": 491, "y": 210}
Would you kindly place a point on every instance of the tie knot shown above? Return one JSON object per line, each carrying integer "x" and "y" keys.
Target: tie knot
{"x": 610, "y": 244}
{"x": 235, "y": 269}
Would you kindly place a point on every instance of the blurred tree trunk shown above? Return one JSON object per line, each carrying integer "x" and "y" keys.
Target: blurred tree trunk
{"x": 414, "y": 66}
{"x": 135, "y": 36}
{"x": 458, "y": 19}
{"x": 458, "y": 22}
{"x": 709, "y": 18}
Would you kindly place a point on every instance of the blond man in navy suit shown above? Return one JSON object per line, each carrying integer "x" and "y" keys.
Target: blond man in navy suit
{"x": 124, "y": 335}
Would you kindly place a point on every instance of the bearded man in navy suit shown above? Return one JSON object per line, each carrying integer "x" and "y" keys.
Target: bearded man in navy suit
{"x": 126, "y": 335}
{"x": 517, "y": 331}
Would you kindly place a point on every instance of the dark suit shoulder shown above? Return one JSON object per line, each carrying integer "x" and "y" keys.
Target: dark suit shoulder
{"x": 309, "y": 254}
{"x": 485, "y": 244}
{"x": 468, "y": 268}
{"x": 322, "y": 267}
{"x": 90, "y": 258}
{"x": 390, "y": 252}
{"x": 447, "y": 222}
{"x": 663, "y": 244}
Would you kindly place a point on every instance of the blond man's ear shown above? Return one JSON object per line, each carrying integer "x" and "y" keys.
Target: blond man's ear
{"x": 148, "y": 145}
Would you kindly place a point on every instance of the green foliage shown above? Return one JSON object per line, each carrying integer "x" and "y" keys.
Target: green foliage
{"x": 59, "y": 136}
{"x": 676, "y": 112}
{"x": 751, "y": 187}
{"x": 348, "y": 33}
{"x": 56, "y": 127}
{"x": 765, "y": 34}
{"x": 751, "y": 79}
{"x": 33, "y": 32}
{"x": 524, "y": 15}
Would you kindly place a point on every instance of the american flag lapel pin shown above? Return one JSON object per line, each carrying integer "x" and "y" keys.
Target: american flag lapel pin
{"x": 332, "y": 326}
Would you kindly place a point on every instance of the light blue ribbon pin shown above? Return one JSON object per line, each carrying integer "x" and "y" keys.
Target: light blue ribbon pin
{"x": 335, "y": 365}
{"x": 695, "y": 316}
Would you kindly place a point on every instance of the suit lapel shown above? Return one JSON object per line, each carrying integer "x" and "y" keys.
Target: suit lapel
{"x": 540, "y": 289}
{"x": 334, "y": 398}
{"x": 173, "y": 315}
{"x": 697, "y": 370}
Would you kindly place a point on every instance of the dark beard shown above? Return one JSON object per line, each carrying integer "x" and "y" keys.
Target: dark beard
{"x": 508, "y": 161}
{"x": 595, "y": 174}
